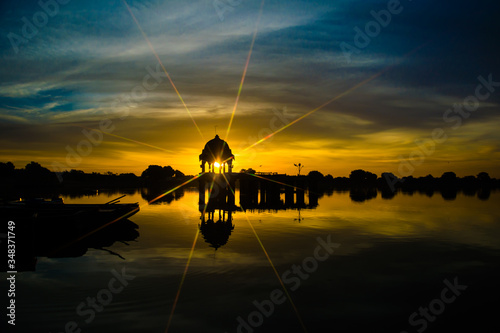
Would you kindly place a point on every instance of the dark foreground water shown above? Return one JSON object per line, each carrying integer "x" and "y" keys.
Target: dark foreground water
{"x": 411, "y": 263}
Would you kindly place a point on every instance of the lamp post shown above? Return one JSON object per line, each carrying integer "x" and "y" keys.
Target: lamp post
{"x": 299, "y": 166}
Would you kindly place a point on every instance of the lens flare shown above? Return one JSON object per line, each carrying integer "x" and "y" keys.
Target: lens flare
{"x": 270, "y": 262}
{"x": 347, "y": 92}
{"x": 163, "y": 67}
{"x": 245, "y": 70}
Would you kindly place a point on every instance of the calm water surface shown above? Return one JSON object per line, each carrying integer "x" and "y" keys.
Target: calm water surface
{"x": 392, "y": 258}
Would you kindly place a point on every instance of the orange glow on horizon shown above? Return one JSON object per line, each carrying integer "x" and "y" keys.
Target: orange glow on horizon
{"x": 335, "y": 157}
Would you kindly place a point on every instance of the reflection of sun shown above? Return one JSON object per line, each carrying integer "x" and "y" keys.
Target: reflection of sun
{"x": 216, "y": 164}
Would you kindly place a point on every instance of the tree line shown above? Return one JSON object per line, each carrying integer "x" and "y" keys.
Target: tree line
{"x": 34, "y": 179}
{"x": 33, "y": 176}
{"x": 361, "y": 182}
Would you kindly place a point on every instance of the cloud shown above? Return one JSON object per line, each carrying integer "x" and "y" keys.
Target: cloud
{"x": 89, "y": 62}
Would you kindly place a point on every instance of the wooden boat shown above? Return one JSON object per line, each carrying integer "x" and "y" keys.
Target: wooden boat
{"x": 51, "y": 228}
{"x": 56, "y": 209}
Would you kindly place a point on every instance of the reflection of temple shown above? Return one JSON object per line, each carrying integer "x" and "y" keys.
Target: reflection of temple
{"x": 220, "y": 186}
{"x": 216, "y": 233}
{"x": 272, "y": 192}
{"x": 275, "y": 192}
{"x": 220, "y": 207}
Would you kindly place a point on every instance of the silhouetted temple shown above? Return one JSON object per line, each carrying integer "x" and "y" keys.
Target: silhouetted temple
{"x": 221, "y": 190}
{"x": 217, "y": 154}
{"x": 274, "y": 192}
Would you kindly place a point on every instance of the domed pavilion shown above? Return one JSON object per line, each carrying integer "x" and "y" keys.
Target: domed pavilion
{"x": 217, "y": 154}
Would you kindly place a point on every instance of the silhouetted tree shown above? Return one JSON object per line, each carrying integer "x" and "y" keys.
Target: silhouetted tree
{"x": 75, "y": 175}
{"x": 156, "y": 175}
{"x": 36, "y": 176}
{"x": 485, "y": 184}
{"x": 483, "y": 177}
{"x": 449, "y": 176}
{"x": 469, "y": 185}
{"x": 448, "y": 185}
{"x": 315, "y": 175}
{"x": 178, "y": 173}
{"x": 314, "y": 178}
{"x": 34, "y": 170}
{"x": 388, "y": 183}
{"x": 250, "y": 170}
{"x": 156, "y": 172}
{"x": 128, "y": 178}
{"x": 362, "y": 177}
{"x": 6, "y": 169}
{"x": 8, "y": 180}
{"x": 169, "y": 171}
{"x": 389, "y": 175}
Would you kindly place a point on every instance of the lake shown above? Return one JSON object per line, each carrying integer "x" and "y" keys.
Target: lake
{"x": 412, "y": 263}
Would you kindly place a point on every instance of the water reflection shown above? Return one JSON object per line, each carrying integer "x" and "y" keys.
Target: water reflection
{"x": 393, "y": 258}
{"x": 220, "y": 205}
{"x": 153, "y": 193}
{"x": 217, "y": 213}
{"x": 67, "y": 237}
{"x": 447, "y": 193}
{"x": 216, "y": 233}
{"x": 269, "y": 197}
{"x": 363, "y": 194}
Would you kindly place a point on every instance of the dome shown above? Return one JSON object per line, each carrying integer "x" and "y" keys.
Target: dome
{"x": 217, "y": 150}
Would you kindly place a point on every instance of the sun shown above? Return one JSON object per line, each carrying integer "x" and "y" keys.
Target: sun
{"x": 216, "y": 164}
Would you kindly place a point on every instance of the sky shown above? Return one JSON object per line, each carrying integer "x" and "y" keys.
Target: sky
{"x": 410, "y": 87}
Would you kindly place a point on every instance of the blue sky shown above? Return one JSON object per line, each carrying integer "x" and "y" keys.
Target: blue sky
{"x": 71, "y": 73}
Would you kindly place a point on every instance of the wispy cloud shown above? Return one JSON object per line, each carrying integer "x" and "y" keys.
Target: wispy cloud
{"x": 90, "y": 55}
